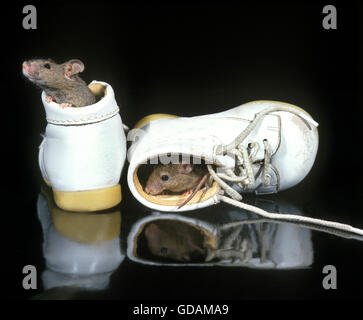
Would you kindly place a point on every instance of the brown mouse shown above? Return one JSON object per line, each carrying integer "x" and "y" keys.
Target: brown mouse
{"x": 60, "y": 82}
{"x": 183, "y": 178}
{"x": 175, "y": 240}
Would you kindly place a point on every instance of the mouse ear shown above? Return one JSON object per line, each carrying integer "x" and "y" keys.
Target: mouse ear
{"x": 152, "y": 230}
{"x": 73, "y": 67}
{"x": 185, "y": 168}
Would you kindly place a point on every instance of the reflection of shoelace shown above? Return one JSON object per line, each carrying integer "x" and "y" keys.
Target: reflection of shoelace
{"x": 245, "y": 178}
{"x": 236, "y": 242}
{"x": 234, "y": 247}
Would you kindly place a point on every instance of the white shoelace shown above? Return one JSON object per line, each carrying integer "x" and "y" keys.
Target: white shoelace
{"x": 246, "y": 177}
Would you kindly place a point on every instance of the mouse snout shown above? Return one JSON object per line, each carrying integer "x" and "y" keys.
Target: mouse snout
{"x": 26, "y": 66}
{"x": 148, "y": 190}
{"x": 29, "y": 69}
{"x": 152, "y": 189}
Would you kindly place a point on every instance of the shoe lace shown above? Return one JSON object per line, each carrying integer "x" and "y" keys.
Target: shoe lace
{"x": 245, "y": 177}
{"x": 244, "y": 161}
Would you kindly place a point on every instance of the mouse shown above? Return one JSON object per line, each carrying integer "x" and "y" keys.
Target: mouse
{"x": 179, "y": 178}
{"x": 60, "y": 82}
{"x": 175, "y": 240}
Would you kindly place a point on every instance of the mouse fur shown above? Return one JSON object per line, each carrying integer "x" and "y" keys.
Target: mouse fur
{"x": 174, "y": 178}
{"x": 60, "y": 82}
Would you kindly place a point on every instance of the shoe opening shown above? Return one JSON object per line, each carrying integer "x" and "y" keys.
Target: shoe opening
{"x": 98, "y": 90}
{"x": 169, "y": 198}
{"x": 172, "y": 241}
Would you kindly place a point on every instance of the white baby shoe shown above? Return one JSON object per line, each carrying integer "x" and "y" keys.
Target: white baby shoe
{"x": 83, "y": 152}
{"x": 261, "y": 147}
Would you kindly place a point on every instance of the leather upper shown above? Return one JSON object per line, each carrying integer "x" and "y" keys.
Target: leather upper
{"x": 83, "y": 148}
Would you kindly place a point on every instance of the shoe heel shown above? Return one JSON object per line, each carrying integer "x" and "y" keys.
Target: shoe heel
{"x": 88, "y": 200}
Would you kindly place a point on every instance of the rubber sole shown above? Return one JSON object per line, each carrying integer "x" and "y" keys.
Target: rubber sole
{"x": 145, "y": 120}
{"x": 88, "y": 200}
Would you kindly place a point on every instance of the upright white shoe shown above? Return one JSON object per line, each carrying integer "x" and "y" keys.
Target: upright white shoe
{"x": 83, "y": 152}
{"x": 261, "y": 147}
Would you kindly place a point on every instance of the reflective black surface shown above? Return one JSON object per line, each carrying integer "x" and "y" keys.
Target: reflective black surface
{"x": 128, "y": 252}
{"x": 189, "y": 59}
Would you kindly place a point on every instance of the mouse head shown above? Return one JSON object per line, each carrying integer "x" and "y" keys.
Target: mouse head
{"x": 47, "y": 73}
{"x": 171, "y": 177}
{"x": 175, "y": 240}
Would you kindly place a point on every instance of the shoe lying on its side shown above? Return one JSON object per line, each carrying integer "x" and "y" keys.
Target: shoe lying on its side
{"x": 264, "y": 146}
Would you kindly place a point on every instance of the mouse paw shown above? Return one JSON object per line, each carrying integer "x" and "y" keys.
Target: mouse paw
{"x": 65, "y": 105}
{"x": 187, "y": 193}
{"x": 48, "y": 99}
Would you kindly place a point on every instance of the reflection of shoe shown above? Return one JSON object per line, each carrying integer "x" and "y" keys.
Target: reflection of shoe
{"x": 276, "y": 151}
{"x": 83, "y": 152}
{"x": 238, "y": 241}
{"x": 291, "y": 245}
{"x": 155, "y": 233}
{"x": 81, "y": 249}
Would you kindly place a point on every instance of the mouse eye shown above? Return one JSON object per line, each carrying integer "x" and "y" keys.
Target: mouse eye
{"x": 164, "y": 177}
{"x": 47, "y": 65}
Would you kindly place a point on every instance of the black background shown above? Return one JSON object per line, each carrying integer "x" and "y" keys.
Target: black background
{"x": 188, "y": 59}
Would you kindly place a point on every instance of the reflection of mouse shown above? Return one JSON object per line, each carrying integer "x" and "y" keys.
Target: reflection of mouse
{"x": 175, "y": 178}
{"x": 175, "y": 240}
{"x": 60, "y": 82}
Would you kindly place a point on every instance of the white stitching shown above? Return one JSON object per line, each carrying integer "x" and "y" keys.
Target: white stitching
{"x": 87, "y": 120}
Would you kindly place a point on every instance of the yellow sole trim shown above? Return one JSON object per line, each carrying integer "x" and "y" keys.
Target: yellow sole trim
{"x": 89, "y": 200}
{"x": 151, "y": 117}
